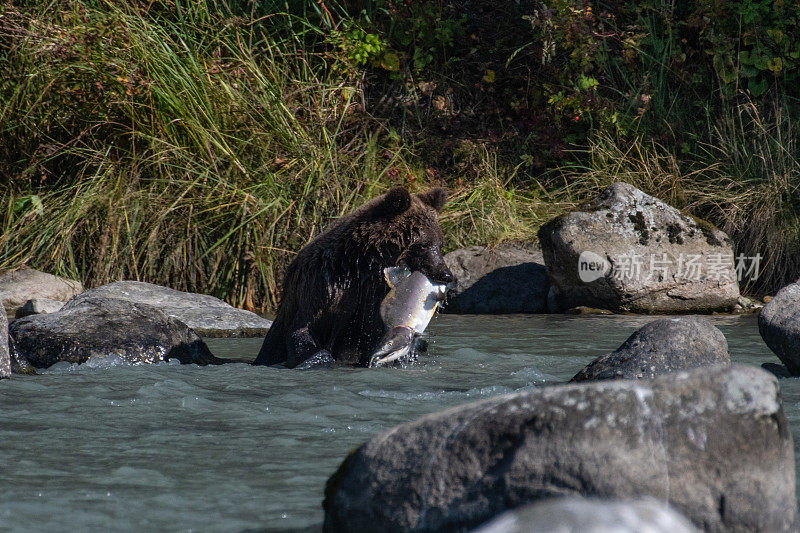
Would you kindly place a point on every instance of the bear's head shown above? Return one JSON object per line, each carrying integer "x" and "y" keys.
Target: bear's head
{"x": 410, "y": 224}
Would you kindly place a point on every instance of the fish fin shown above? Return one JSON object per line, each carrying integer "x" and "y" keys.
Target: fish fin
{"x": 394, "y": 275}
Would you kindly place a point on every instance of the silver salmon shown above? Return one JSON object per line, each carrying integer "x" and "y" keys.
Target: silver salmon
{"x": 406, "y": 312}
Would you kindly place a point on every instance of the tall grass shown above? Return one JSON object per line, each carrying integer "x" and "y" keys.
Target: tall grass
{"x": 493, "y": 209}
{"x": 201, "y": 144}
{"x": 745, "y": 180}
{"x": 202, "y": 163}
{"x": 193, "y": 146}
{"x": 757, "y": 195}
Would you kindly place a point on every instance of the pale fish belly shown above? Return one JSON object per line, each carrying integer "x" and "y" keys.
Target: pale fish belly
{"x": 406, "y": 312}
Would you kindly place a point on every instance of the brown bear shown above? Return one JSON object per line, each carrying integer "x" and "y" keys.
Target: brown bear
{"x": 333, "y": 289}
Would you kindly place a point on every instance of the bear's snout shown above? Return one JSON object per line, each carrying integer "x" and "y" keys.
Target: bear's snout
{"x": 444, "y": 276}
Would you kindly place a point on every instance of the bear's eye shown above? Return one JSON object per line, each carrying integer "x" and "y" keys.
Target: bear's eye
{"x": 419, "y": 251}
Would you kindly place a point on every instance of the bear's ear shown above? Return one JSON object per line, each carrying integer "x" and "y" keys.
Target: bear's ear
{"x": 395, "y": 202}
{"x": 436, "y": 198}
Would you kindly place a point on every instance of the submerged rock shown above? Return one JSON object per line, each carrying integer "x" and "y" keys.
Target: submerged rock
{"x": 19, "y": 286}
{"x": 581, "y": 515}
{"x": 629, "y": 252}
{"x": 714, "y": 443}
{"x": 779, "y": 325}
{"x": 509, "y": 278}
{"x": 94, "y": 326}
{"x": 206, "y": 315}
{"x": 5, "y": 357}
{"x": 662, "y": 346}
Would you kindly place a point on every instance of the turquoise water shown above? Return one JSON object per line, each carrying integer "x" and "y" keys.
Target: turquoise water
{"x": 233, "y": 448}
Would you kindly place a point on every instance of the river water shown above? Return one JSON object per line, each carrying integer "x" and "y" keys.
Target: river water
{"x": 109, "y": 446}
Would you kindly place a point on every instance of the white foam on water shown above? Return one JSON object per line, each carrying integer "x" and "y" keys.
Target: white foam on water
{"x": 93, "y": 363}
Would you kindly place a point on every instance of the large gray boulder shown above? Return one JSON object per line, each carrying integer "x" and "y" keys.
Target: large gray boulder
{"x": 583, "y": 515}
{"x": 660, "y": 347}
{"x": 779, "y": 325}
{"x": 713, "y": 443}
{"x": 508, "y": 278}
{"x": 629, "y": 252}
{"x": 5, "y": 357}
{"x": 19, "y": 286}
{"x": 95, "y": 326}
{"x": 206, "y": 315}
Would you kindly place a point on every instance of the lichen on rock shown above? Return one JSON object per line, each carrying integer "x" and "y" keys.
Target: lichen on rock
{"x": 660, "y": 260}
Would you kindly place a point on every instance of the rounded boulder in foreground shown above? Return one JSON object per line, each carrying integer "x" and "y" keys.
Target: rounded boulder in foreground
{"x": 713, "y": 442}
